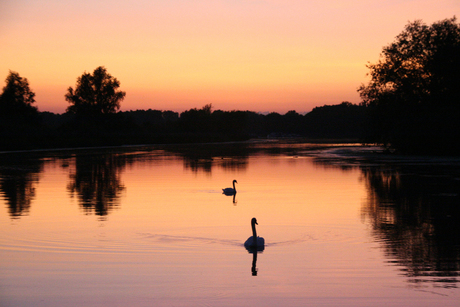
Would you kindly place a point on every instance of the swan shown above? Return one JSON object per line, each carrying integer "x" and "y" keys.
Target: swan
{"x": 254, "y": 242}
{"x": 230, "y": 191}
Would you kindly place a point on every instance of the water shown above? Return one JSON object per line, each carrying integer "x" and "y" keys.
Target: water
{"x": 151, "y": 227}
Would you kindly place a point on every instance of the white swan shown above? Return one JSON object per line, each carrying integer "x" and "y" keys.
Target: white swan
{"x": 230, "y": 191}
{"x": 254, "y": 243}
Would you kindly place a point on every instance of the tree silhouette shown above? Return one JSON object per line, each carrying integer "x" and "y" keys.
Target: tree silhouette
{"x": 414, "y": 93}
{"x": 195, "y": 120}
{"x": 17, "y": 97}
{"x": 95, "y": 94}
{"x": 344, "y": 120}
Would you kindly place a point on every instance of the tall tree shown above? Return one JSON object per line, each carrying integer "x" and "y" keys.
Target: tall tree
{"x": 17, "y": 97}
{"x": 95, "y": 94}
{"x": 414, "y": 92}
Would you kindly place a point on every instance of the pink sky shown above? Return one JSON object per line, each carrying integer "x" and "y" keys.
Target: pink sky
{"x": 257, "y": 55}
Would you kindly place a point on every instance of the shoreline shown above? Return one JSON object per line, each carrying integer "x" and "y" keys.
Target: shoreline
{"x": 283, "y": 141}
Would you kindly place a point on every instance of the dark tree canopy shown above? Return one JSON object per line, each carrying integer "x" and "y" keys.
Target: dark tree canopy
{"x": 17, "y": 98}
{"x": 95, "y": 94}
{"x": 414, "y": 91}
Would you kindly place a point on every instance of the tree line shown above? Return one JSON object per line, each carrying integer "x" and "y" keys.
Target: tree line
{"x": 93, "y": 119}
{"x": 411, "y": 105}
{"x": 50, "y": 130}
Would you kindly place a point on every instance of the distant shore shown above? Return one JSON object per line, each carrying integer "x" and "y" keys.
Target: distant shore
{"x": 339, "y": 123}
{"x": 317, "y": 143}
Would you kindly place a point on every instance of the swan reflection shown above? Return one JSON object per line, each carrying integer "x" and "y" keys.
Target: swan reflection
{"x": 254, "y": 263}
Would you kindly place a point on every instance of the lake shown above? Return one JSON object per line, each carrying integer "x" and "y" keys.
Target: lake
{"x": 344, "y": 225}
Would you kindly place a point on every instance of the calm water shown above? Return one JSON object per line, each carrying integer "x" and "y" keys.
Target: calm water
{"x": 151, "y": 227}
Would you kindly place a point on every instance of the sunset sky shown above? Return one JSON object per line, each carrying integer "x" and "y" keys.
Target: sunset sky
{"x": 257, "y": 55}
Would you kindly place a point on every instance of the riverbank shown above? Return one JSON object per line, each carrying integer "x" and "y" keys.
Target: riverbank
{"x": 183, "y": 143}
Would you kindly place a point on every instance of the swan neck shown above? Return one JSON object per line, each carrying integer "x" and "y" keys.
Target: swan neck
{"x": 254, "y": 232}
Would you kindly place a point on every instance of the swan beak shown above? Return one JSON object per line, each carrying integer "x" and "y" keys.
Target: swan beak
{"x": 257, "y": 223}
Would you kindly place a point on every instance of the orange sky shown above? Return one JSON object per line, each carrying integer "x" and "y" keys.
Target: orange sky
{"x": 258, "y": 55}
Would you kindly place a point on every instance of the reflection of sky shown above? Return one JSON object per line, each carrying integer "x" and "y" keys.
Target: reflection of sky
{"x": 263, "y": 184}
{"x": 175, "y": 238}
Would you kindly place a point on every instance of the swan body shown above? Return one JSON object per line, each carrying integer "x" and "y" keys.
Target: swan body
{"x": 254, "y": 243}
{"x": 230, "y": 191}
{"x": 260, "y": 242}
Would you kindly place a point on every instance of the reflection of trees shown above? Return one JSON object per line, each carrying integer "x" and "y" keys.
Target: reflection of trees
{"x": 205, "y": 156}
{"x": 96, "y": 181}
{"x": 415, "y": 212}
{"x": 206, "y": 164}
{"x": 234, "y": 156}
{"x": 18, "y": 177}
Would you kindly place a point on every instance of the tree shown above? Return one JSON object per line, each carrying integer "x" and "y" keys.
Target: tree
{"x": 17, "y": 97}
{"x": 343, "y": 120}
{"x": 414, "y": 93}
{"x": 95, "y": 94}
{"x": 197, "y": 120}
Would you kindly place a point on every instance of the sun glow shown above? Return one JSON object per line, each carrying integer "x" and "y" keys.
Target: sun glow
{"x": 252, "y": 55}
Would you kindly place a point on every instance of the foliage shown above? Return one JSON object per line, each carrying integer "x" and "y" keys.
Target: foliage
{"x": 413, "y": 96}
{"x": 17, "y": 97}
{"x": 195, "y": 125}
{"x": 195, "y": 120}
{"x": 345, "y": 120}
{"x": 95, "y": 94}
{"x": 19, "y": 119}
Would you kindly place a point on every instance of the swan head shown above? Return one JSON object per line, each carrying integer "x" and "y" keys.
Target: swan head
{"x": 234, "y": 181}
{"x": 254, "y": 221}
